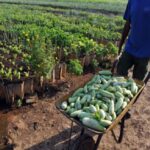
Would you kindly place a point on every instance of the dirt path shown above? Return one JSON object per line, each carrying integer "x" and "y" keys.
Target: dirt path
{"x": 42, "y": 127}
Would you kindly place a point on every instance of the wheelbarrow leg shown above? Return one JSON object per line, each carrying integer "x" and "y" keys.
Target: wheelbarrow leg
{"x": 70, "y": 135}
{"x": 122, "y": 125}
{"x": 82, "y": 131}
{"x": 98, "y": 141}
{"x": 121, "y": 129}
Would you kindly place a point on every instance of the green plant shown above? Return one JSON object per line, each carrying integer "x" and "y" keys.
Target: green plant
{"x": 19, "y": 103}
{"x": 75, "y": 67}
{"x": 112, "y": 49}
{"x": 94, "y": 63}
{"x": 35, "y": 37}
{"x": 42, "y": 57}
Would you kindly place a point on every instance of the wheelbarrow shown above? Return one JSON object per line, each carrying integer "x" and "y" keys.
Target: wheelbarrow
{"x": 86, "y": 141}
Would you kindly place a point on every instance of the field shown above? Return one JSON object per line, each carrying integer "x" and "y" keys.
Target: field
{"x": 31, "y": 33}
{"x": 60, "y": 32}
{"x": 117, "y": 6}
{"x": 48, "y": 48}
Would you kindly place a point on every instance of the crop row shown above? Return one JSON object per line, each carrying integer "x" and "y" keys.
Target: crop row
{"x": 108, "y": 6}
{"x": 91, "y": 25}
{"x": 43, "y": 39}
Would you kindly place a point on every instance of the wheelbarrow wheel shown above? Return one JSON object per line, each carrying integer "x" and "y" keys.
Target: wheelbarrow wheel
{"x": 84, "y": 142}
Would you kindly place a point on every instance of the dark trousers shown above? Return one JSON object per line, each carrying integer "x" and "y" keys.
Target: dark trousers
{"x": 127, "y": 61}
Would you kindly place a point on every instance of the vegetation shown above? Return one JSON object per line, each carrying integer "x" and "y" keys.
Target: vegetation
{"x": 34, "y": 38}
{"x": 14, "y": 64}
{"x": 112, "y": 6}
{"x": 94, "y": 64}
{"x": 75, "y": 67}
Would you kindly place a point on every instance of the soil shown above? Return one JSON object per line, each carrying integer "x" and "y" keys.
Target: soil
{"x": 41, "y": 126}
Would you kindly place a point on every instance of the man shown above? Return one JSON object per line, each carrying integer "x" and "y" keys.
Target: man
{"x": 137, "y": 47}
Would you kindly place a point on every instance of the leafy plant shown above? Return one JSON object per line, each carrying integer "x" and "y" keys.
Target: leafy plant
{"x": 112, "y": 49}
{"x": 75, "y": 67}
{"x": 94, "y": 63}
{"x": 42, "y": 57}
{"x": 19, "y": 103}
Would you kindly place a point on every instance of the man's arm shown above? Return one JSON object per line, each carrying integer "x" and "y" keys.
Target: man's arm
{"x": 124, "y": 35}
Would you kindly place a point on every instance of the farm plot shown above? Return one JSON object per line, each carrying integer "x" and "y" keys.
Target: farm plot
{"x": 36, "y": 40}
{"x": 39, "y": 41}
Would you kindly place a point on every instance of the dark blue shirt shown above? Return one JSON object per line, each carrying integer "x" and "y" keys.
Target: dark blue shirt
{"x": 138, "y": 14}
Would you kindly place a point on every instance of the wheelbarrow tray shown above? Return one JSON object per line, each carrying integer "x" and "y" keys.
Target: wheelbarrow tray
{"x": 114, "y": 123}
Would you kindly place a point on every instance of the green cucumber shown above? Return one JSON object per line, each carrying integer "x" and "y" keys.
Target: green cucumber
{"x": 75, "y": 113}
{"x": 80, "y": 90}
{"x": 119, "y": 104}
{"x": 97, "y": 107}
{"x": 78, "y": 105}
{"x": 124, "y": 104}
{"x": 64, "y": 105}
{"x": 93, "y": 94}
{"x": 93, "y": 123}
{"x": 111, "y": 107}
{"x": 72, "y": 99}
{"x": 86, "y": 109}
{"x": 134, "y": 88}
{"x": 85, "y": 114}
{"x": 106, "y": 100}
{"x": 119, "y": 95}
{"x": 114, "y": 116}
{"x": 99, "y": 103}
{"x": 103, "y": 80}
{"x": 106, "y": 77}
{"x": 71, "y": 110}
{"x": 89, "y": 98}
{"x": 119, "y": 89}
{"x": 83, "y": 100}
{"x": 111, "y": 89}
{"x": 106, "y": 94}
{"x": 105, "y": 72}
{"x": 72, "y": 104}
{"x": 68, "y": 109}
{"x": 128, "y": 93}
{"x": 99, "y": 96}
{"x": 105, "y": 123}
{"x": 104, "y": 107}
{"x": 108, "y": 117}
{"x": 119, "y": 111}
{"x": 85, "y": 89}
{"x": 93, "y": 102}
{"x": 126, "y": 99}
{"x": 105, "y": 86}
{"x": 92, "y": 109}
{"x": 102, "y": 113}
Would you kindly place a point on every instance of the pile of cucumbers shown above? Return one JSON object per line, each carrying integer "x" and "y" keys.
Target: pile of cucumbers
{"x": 101, "y": 100}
